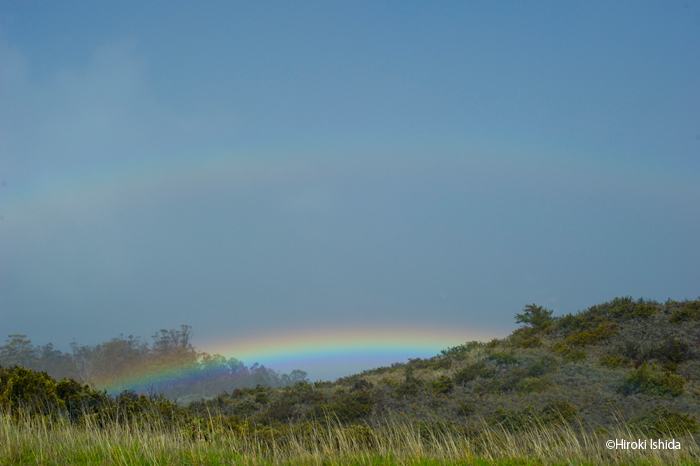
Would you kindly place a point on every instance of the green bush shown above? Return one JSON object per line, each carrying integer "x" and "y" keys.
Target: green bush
{"x": 347, "y": 407}
{"x": 594, "y": 331}
{"x": 664, "y": 421}
{"x": 517, "y": 380}
{"x": 627, "y": 308}
{"x": 495, "y": 342}
{"x": 503, "y": 358}
{"x": 568, "y": 353}
{"x": 535, "y": 384}
{"x": 466, "y": 409}
{"x": 29, "y": 391}
{"x": 651, "y": 381}
{"x": 410, "y": 386}
{"x": 690, "y": 311}
{"x": 441, "y": 363}
{"x": 244, "y": 408}
{"x": 673, "y": 350}
{"x": 282, "y": 410}
{"x": 614, "y": 360}
{"x": 462, "y": 351}
{"x": 442, "y": 385}
{"x": 472, "y": 371}
{"x": 558, "y": 411}
{"x": 526, "y": 337}
{"x": 575, "y": 355}
{"x": 554, "y": 413}
{"x": 543, "y": 366}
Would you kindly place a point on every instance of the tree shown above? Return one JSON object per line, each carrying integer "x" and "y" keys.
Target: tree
{"x": 536, "y": 316}
{"x": 297, "y": 376}
{"x": 18, "y": 350}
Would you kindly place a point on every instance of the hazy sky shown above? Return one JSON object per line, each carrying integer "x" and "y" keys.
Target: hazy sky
{"x": 265, "y": 169}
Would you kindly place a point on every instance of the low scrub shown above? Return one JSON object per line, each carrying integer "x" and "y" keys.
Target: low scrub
{"x": 556, "y": 412}
{"x": 503, "y": 358}
{"x": 689, "y": 312}
{"x": 663, "y": 421}
{"x": 649, "y": 380}
{"x": 596, "y": 330}
{"x": 473, "y": 371}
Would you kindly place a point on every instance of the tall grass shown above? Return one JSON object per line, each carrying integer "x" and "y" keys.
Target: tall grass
{"x": 52, "y": 441}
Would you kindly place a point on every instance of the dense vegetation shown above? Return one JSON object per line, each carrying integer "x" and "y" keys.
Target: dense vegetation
{"x": 171, "y": 365}
{"x": 555, "y": 389}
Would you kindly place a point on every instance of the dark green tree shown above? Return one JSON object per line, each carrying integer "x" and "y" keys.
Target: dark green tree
{"x": 535, "y": 316}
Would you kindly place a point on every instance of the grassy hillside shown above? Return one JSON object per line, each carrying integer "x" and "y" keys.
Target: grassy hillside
{"x": 555, "y": 390}
{"x": 625, "y": 360}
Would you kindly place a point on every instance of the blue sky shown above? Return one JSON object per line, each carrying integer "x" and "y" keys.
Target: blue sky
{"x": 261, "y": 166}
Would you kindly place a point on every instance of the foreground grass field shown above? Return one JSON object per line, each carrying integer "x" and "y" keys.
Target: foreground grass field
{"x": 43, "y": 441}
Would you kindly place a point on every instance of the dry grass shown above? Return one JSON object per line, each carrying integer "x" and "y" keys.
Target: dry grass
{"x": 45, "y": 442}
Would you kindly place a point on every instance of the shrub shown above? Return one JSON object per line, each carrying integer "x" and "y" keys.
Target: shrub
{"x": 651, "y": 381}
{"x": 535, "y": 384}
{"x": 575, "y": 355}
{"x": 595, "y": 331}
{"x": 627, "y": 308}
{"x": 525, "y": 337}
{"x": 462, "y": 351}
{"x": 555, "y": 412}
{"x": 26, "y": 390}
{"x": 558, "y": 411}
{"x": 442, "y": 363}
{"x": 689, "y": 311}
{"x": 561, "y": 348}
{"x": 29, "y": 392}
{"x": 410, "y": 386}
{"x": 362, "y": 384}
{"x": 543, "y": 366}
{"x": 514, "y": 420}
{"x": 472, "y": 371}
{"x": 466, "y": 409}
{"x": 571, "y": 322}
{"x": 673, "y": 350}
{"x": 630, "y": 350}
{"x": 494, "y": 343}
{"x": 517, "y": 380}
{"x": 347, "y": 407}
{"x": 614, "y": 360}
{"x": 503, "y": 358}
{"x": 442, "y": 385}
{"x": 244, "y": 408}
{"x": 663, "y": 421}
{"x": 282, "y": 410}
{"x": 568, "y": 353}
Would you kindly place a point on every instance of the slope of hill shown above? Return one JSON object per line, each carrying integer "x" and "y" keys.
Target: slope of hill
{"x": 626, "y": 360}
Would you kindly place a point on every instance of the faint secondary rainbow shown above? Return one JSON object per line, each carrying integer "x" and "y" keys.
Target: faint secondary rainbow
{"x": 318, "y": 348}
{"x": 35, "y": 202}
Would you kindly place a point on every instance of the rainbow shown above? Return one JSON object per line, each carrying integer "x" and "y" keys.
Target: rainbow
{"x": 319, "y": 351}
{"x": 331, "y": 344}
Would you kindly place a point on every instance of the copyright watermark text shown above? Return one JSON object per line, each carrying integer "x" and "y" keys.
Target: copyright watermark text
{"x": 640, "y": 444}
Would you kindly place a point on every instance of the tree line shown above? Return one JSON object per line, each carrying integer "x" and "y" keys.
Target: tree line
{"x": 170, "y": 365}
